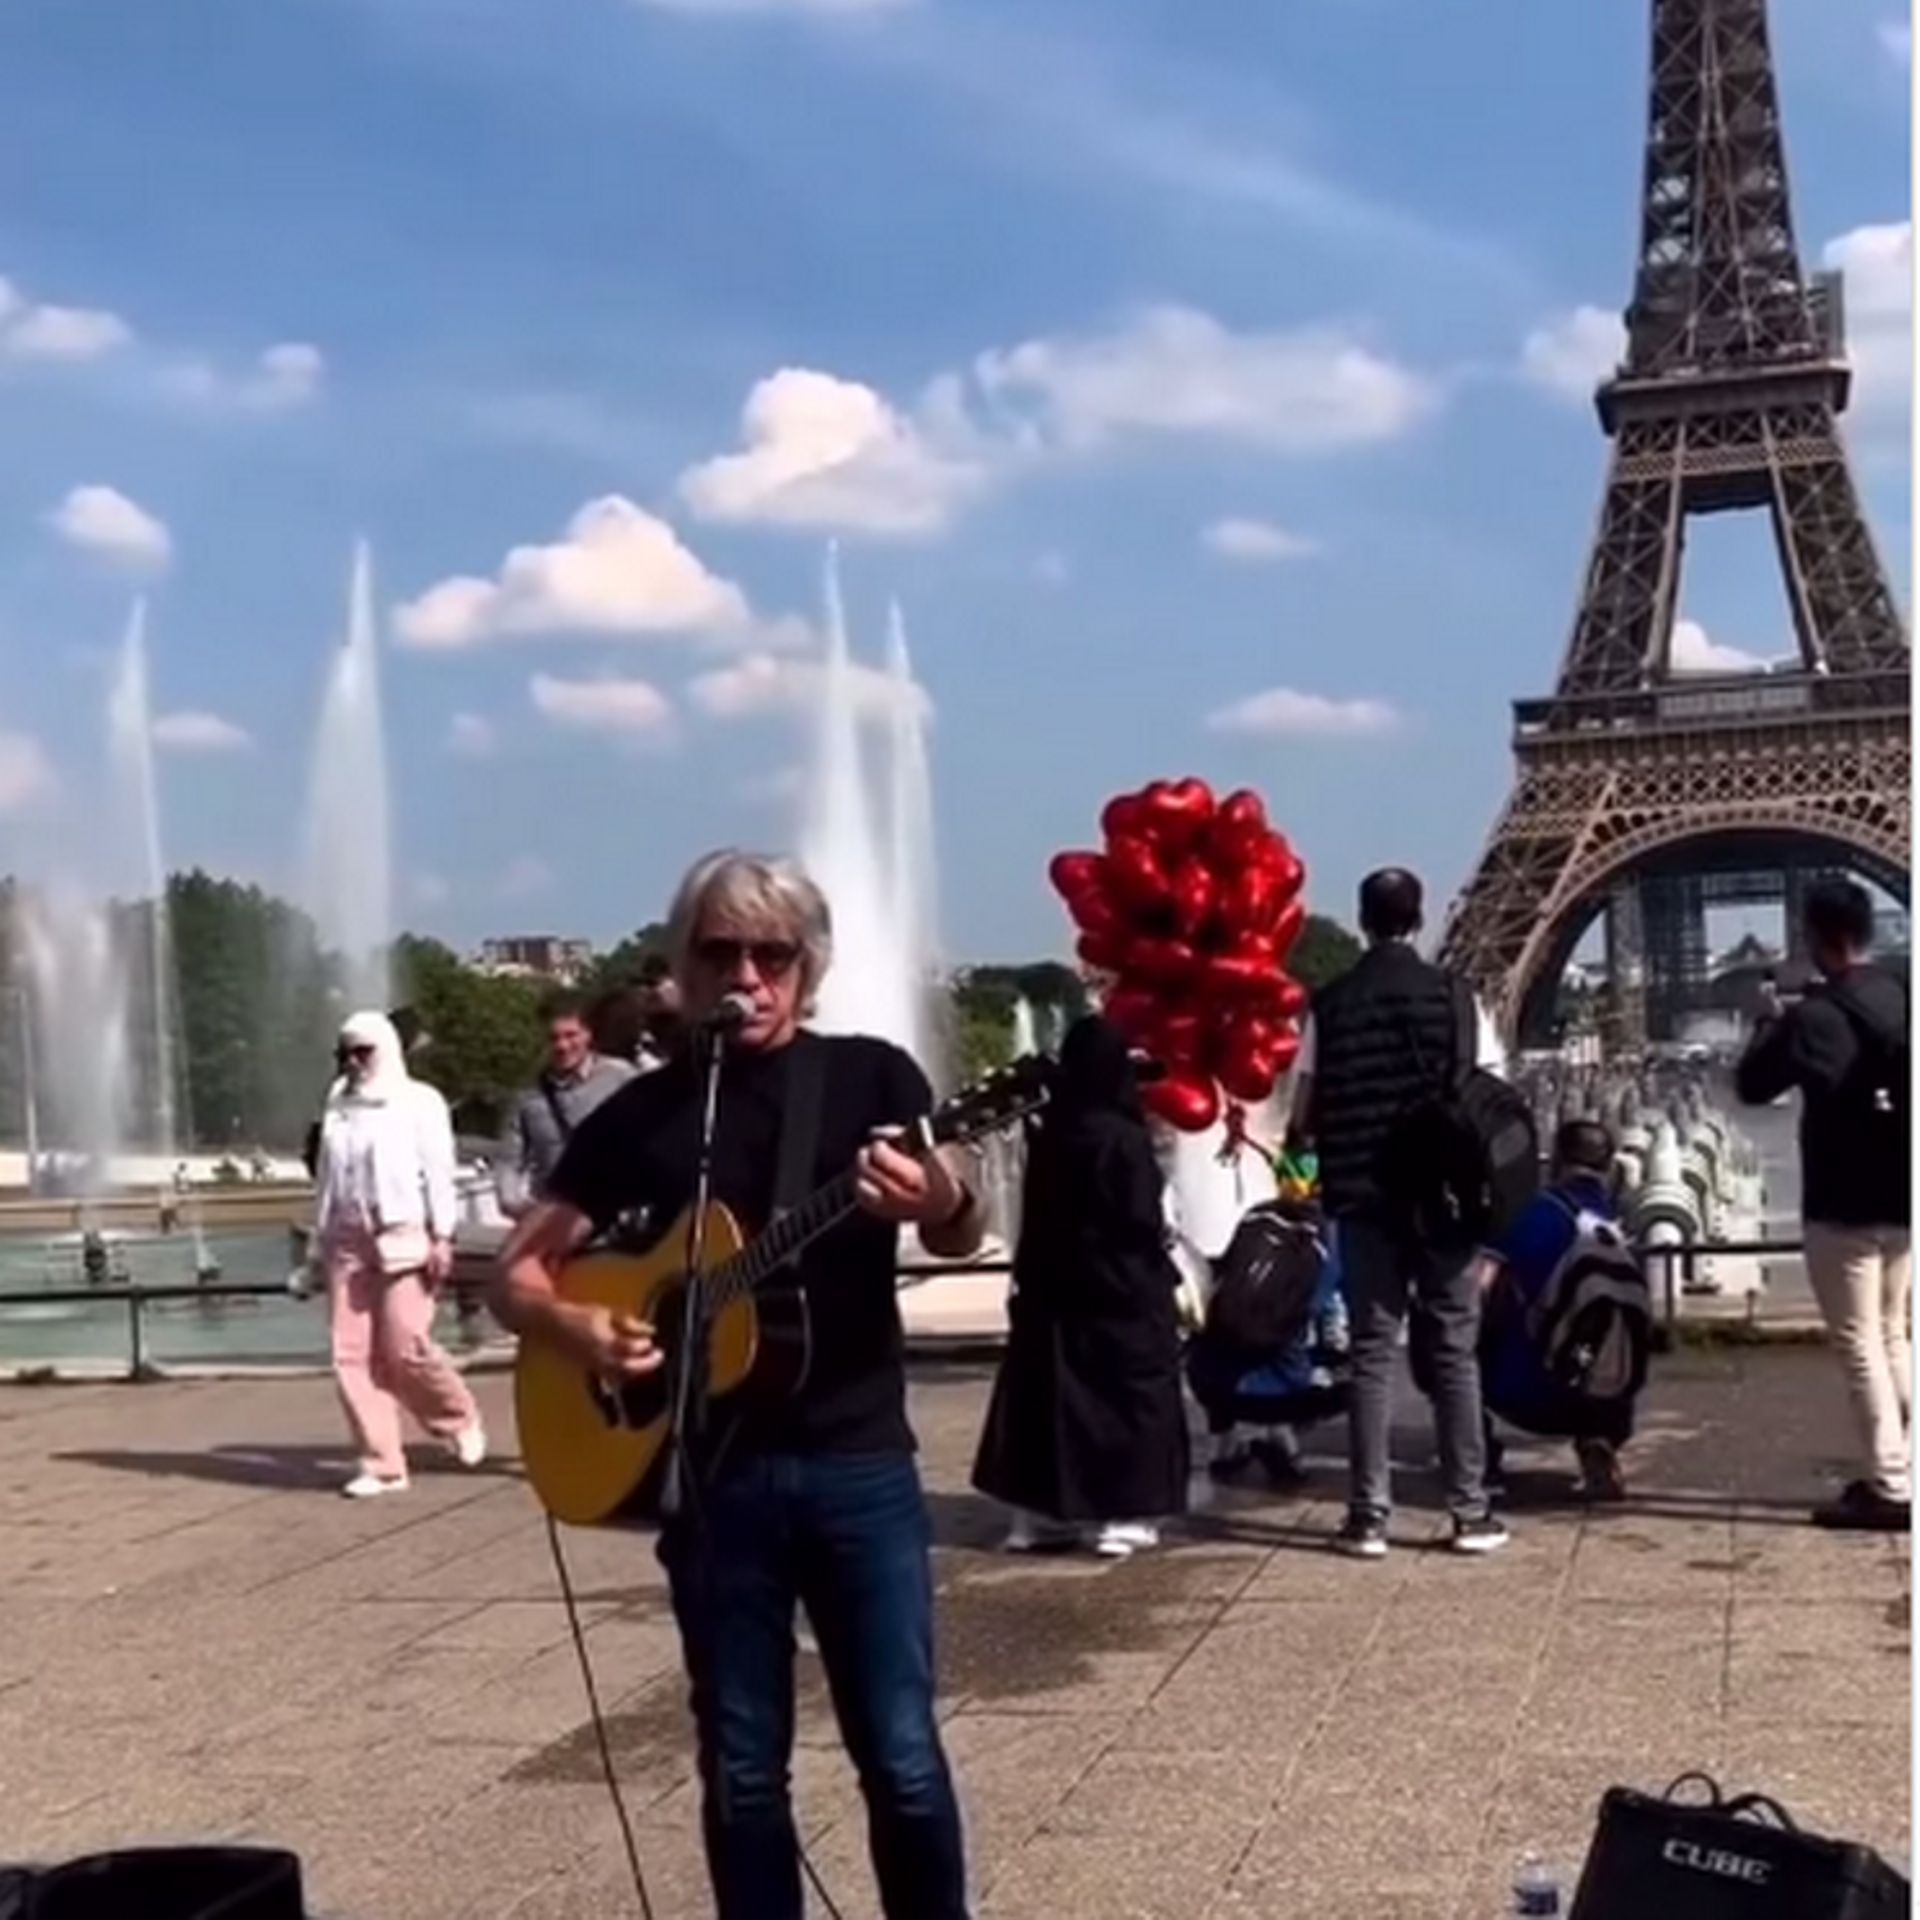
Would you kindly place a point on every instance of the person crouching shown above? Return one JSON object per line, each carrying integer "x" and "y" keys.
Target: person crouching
{"x": 1566, "y": 1317}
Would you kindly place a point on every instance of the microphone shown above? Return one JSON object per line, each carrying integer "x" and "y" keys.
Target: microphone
{"x": 733, "y": 1013}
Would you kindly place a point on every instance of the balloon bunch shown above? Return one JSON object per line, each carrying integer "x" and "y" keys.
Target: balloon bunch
{"x": 1191, "y": 910}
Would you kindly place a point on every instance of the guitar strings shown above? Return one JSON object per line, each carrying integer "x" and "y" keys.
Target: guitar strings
{"x": 599, "y": 1722}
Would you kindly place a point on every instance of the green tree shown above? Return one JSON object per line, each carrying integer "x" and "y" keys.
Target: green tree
{"x": 624, "y": 965}
{"x": 485, "y": 1031}
{"x": 1323, "y": 952}
{"x": 258, "y": 1008}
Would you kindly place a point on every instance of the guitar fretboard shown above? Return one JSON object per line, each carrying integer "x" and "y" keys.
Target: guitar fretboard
{"x": 789, "y": 1235}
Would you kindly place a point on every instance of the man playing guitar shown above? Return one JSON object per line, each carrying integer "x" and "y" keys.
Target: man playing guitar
{"x": 817, "y": 1499}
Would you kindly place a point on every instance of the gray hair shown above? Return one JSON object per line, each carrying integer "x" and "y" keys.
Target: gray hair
{"x": 759, "y": 892}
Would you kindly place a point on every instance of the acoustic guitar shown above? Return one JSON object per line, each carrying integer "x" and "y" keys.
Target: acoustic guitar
{"x": 593, "y": 1447}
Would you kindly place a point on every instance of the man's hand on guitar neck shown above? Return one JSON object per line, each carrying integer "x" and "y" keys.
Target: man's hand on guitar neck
{"x": 917, "y": 1190}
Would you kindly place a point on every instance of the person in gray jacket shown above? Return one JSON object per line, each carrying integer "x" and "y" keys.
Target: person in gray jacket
{"x": 573, "y": 1082}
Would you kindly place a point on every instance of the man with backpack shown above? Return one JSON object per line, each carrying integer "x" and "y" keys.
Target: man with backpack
{"x": 1566, "y": 1318}
{"x": 1393, "y": 1094}
{"x": 1845, "y": 1045}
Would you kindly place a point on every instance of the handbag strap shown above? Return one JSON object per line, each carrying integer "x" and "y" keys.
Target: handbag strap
{"x": 562, "y": 1124}
{"x": 800, "y": 1124}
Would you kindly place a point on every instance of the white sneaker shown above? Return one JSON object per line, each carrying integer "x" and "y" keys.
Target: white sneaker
{"x": 469, "y": 1445}
{"x": 369, "y": 1486}
{"x": 1119, "y": 1538}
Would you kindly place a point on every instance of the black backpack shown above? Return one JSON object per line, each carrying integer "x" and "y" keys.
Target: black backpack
{"x": 1884, "y": 1080}
{"x": 1460, "y": 1163}
{"x": 1592, "y": 1323}
{"x": 1264, "y": 1282}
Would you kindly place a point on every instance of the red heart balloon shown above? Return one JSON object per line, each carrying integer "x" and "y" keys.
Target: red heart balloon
{"x": 1105, "y": 952}
{"x": 1077, "y": 873}
{"x": 1122, "y": 815}
{"x": 1195, "y": 894}
{"x": 1286, "y": 1050}
{"x": 1168, "y": 962}
{"x": 1180, "y": 811}
{"x": 1290, "y": 997}
{"x": 1135, "y": 873}
{"x": 1247, "y": 1074}
{"x": 1236, "y": 976}
{"x": 1286, "y": 929}
{"x": 1179, "y": 1037}
{"x": 1135, "y": 1011}
{"x": 1187, "y": 1101}
{"x": 1096, "y": 913}
{"x": 1252, "y": 899}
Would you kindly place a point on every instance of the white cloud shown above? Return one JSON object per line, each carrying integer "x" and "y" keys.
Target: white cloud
{"x": 1876, "y": 264}
{"x": 1256, "y": 541}
{"x": 1283, "y": 713}
{"x": 282, "y": 377}
{"x": 1177, "y": 370}
{"x": 1574, "y": 351}
{"x": 824, "y": 452}
{"x": 29, "y": 331}
{"x": 633, "y": 709}
{"x": 1896, "y": 40}
{"x": 103, "y": 520}
{"x": 26, "y": 774}
{"x": 762, "y": 683}
{"x": 472, "y": 736}
{"x": 199, "y": 732}
{"x": 618, "y": 569}
{"x": 523, "y": 876}
{"x": 1694, "y": 650}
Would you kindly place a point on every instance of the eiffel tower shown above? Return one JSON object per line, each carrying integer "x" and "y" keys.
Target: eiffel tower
{"x": 1645, "y": 795}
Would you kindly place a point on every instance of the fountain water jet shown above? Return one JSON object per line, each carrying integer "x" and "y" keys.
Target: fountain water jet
{"x": 870, "y": 987}
{"x": 101, "y": 982}
{"x": 911, "y": 861}
{"x": 349, "y": 846}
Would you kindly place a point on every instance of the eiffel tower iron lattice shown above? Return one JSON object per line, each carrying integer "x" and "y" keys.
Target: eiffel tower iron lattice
{"x": 1728, "y": 397}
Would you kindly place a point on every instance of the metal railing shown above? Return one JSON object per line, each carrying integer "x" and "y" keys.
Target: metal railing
{"x": 1679, "y": 1263}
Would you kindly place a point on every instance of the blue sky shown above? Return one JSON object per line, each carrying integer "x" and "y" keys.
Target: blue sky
{"x": 1205, "y": 379}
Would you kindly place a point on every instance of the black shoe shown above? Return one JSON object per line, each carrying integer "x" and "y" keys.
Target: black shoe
{"x": 1864, "y": 1509}
{"x": 1231, "y": 1468}
{"x": 1364, "y": 1537}
{"x": 1484, "y": 1535}
{"x": 1601, "y": 1480}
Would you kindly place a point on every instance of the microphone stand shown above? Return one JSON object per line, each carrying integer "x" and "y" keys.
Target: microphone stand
{"x": 689, "y": 1410}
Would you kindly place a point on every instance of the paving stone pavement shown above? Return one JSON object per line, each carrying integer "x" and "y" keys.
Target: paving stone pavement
{"x": 198, "y": 1639}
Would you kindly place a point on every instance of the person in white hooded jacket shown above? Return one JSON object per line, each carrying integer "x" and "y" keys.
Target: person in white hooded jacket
{"x": 383, "y": 1236}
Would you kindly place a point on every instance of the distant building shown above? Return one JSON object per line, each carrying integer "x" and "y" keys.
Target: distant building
{"x": 536, "y": 956}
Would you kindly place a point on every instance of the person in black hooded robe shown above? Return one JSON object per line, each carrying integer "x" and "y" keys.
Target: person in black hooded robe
{"x": 1086, "y": 1430}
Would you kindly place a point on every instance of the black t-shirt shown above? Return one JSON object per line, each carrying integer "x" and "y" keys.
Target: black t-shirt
{"x": 637, "y": 1150}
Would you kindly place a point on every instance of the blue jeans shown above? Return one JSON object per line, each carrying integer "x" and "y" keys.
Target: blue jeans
{"x": 847, "y": 1536}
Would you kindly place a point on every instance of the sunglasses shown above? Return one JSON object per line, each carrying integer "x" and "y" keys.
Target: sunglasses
{"x": 355, "y": 1053}
{"x": 772, "y": 959}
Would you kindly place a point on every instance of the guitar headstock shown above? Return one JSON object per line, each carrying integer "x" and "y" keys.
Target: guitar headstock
{"x": 987, "y": 1105}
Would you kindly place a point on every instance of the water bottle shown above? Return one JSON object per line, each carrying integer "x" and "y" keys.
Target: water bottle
{"x": 1537, "y": 1893}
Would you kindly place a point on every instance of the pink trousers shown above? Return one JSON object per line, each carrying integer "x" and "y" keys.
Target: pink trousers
{"x": 385, "y": 1356}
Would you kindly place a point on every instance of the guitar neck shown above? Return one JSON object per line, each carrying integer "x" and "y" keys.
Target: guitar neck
{"x": 790, "y": 1235}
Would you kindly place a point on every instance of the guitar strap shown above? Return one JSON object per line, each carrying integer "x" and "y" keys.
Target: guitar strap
{"x": 794, "y": 1171}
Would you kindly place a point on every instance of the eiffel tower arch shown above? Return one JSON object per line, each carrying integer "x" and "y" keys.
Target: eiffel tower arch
{"x": 1636, "y": 785}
